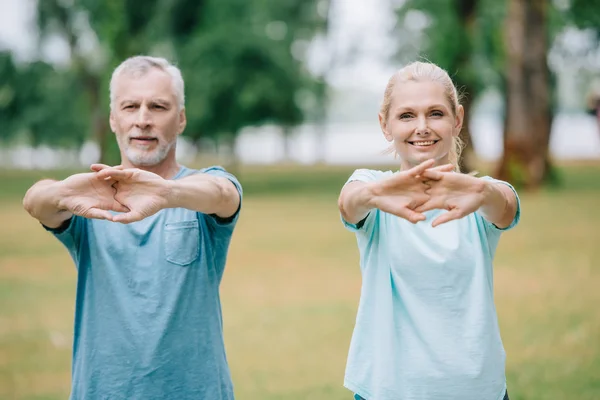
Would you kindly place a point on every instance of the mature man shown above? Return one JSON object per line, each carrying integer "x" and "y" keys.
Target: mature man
{"x": 149, "y": 238}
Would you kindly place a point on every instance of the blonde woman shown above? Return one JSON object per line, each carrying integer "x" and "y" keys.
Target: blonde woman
{"x": 426, "y": 327}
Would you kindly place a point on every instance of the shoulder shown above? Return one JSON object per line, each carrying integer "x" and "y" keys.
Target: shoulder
{"x": 212, "y": 170}
{"x": 368, "y": 175}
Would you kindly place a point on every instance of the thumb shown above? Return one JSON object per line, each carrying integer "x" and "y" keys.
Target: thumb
{"x": 447, "y": 217}
{"x": 99, "y": 167}
{"x": 127, "y": 218}
{"x": 119, "y": 207}
{"x": 97, "y": 213}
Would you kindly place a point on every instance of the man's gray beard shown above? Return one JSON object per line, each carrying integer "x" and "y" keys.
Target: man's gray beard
{"x": 141, "y": 158}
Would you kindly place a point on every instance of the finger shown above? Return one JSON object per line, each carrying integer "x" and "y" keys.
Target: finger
{"x": 443, "y": 168}
{"x": 433, "y": 175}
{"x": 97, "y": 213}
{"x": 128, "y": 218}
{"x": 117, "y": 206}
{"x": 447, "y": 217}
{"x": 418, "y": 170}
{"x": 115, "y": 173}
{"x": 408, "y": 215}
{"x": 432, "y": 204}
{"x": 99, "y": 167}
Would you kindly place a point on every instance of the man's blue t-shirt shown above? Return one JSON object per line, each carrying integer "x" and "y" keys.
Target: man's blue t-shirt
{"x": 148, "y": 321}
{"x": 426, "y": 326}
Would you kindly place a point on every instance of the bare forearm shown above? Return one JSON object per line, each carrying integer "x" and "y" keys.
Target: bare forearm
{"x": 204, "y": 193}
{"x": 356, "y": 201}
{"x": 499, "y": 204}
{"x": 42, "y": 201}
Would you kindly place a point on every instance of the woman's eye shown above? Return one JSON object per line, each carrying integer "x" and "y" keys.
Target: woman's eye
{"x": 405, "y": 116}
{"x": 437, "y": 114}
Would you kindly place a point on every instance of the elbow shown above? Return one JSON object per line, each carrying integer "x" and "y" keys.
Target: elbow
{"x": 28, "y": 203}
{"x": 228, "y": 195}
{"x": 341, "y": 206}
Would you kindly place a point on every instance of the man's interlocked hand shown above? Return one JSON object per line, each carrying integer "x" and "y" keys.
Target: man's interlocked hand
{"x": 134, "y": 193}
{"x": 142, "y": 193}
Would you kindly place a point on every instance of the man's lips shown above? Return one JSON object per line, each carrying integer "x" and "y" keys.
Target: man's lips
{"x": 143, "y": 138}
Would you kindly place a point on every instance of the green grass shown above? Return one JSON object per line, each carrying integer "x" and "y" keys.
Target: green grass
{"x": 291, "y": 290}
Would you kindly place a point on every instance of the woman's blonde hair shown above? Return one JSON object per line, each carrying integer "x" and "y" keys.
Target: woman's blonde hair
{"x": 426, "y": 72}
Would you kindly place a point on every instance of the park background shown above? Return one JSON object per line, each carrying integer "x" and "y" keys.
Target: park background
{"x": 285, "y": 94}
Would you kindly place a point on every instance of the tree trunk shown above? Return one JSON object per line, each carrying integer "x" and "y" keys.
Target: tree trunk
{"x": 466, "y": 160}
{"x": 99, "y": 119}
{"x": 466, "y": 11}
{"x": 286, "y": 133}
{"x": 528, "y": 117}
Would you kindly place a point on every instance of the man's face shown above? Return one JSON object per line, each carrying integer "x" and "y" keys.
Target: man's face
{"x": 145, "y": 118}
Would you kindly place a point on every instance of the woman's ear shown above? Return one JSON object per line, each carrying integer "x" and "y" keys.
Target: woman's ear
{"x": 460, "y": 117}
{"x": 384, "y": 128}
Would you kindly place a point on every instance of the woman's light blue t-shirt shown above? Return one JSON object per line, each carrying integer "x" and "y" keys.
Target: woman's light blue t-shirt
{"x": 426, "y": 326}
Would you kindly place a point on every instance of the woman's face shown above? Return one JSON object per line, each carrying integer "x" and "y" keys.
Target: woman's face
{"x": 420, "y": 123}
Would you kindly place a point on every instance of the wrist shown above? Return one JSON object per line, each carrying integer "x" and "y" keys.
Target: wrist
{"x": 171, "y": 193}
{"x": 370, "y": 193}
{"x": 60, "y": 192}
{"x": 487, "y": 190}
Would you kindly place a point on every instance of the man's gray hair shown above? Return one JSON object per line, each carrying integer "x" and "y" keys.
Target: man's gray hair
{"x": 140, "y": 65}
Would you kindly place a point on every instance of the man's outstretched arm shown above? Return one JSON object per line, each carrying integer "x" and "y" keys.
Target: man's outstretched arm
{"x": 42, "y": 201}
{"x": 145, "y": 193}
{"x": 53, "y": 202}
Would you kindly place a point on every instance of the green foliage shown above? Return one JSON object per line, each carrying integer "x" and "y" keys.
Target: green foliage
{"x": 41, "y": 102}
{"x": 586, "y": 14}
{"x": 237, "y": 61}
{"x": 235, "y": 55}
{"x": 52, "y": 107}
{"x": 9, "y": 106}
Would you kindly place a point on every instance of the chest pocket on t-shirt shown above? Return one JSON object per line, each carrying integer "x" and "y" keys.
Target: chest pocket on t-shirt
{"x": 182, "y": 242}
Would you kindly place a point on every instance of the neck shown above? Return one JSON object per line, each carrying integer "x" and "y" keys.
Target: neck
{"x": 407, "y": 164}
{"x": 166, "y": 169}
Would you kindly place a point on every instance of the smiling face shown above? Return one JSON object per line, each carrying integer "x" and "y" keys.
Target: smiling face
{"x": 146, "y": 119}
{"x": 421, "y": 122}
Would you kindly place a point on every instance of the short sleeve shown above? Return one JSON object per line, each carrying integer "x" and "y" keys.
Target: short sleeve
{"x": 363, "y": 175}
{"x": 71, "y": 234}
{"x": 517, "y": 217}
{"x": 221, "y": 172}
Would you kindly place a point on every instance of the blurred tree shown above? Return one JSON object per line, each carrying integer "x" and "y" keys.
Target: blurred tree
{"x": 528, "y": 114}
{"x": 52, "y": 107}
{"x": 9, "y": 107}
{"x": 42, "y": 103}
{"x": 99, "y": 34}
{"x": 448, "y": 41}
{"x": 237, "y": 58}
{"x": 585, "y": 14}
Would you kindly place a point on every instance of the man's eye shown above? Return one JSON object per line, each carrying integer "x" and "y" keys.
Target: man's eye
{"x": 129, "y": 107}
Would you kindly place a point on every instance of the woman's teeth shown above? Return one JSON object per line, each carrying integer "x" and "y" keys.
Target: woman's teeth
{"x": 428, "y": 143}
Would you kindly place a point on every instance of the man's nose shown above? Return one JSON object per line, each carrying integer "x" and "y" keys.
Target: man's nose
{"x": 143, "y": 118}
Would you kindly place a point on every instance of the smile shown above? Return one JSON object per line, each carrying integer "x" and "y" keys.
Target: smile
{"x": 423, "y": 143}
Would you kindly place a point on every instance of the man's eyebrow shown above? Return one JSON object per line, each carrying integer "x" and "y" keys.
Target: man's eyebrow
{"x": 160, "y": 101}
